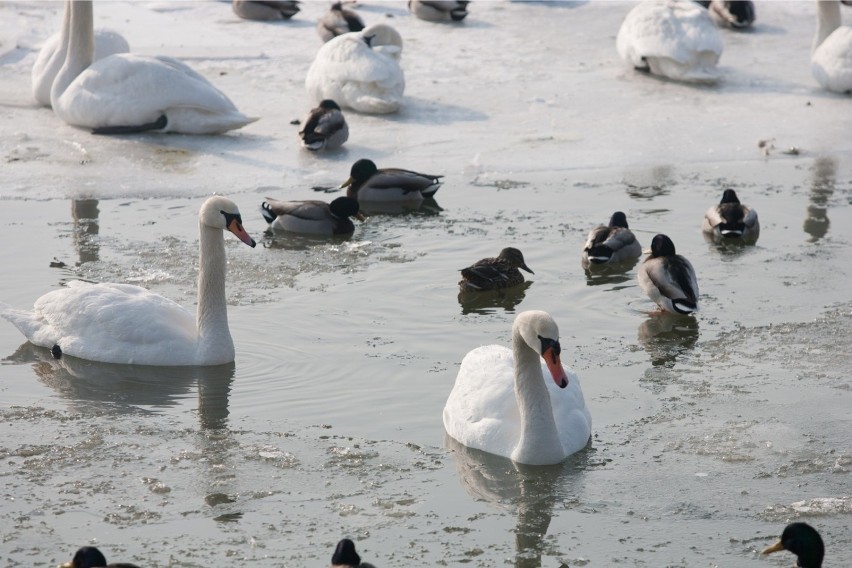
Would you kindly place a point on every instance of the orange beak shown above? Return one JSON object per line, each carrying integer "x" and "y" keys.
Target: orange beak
{"x": 554, "y": 365}
{"x": 235, "y": 227}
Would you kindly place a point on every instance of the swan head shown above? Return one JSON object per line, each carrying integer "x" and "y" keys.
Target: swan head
{"x": 221, "y": 213}
{"x": 379, "y": 35}
{"x": 541, "y": 334}
{"x": 618, "y": 219}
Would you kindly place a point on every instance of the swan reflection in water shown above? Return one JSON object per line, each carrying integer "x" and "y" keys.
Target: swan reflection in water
{"x": 489, "y": 301}
{"x": 822, "y": 188}
{"x": 529, "y": 491}
{"x": 84, "y": 213}
{"x": 131, "y": 388}
{"x": 666, "y": 336}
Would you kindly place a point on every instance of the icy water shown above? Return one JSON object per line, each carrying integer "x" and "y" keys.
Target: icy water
{"x": 709, "y": 435}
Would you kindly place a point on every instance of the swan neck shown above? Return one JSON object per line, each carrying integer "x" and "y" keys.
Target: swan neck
{"x": 214, "y": 338}
{"x": 78, "y": 41}
{"x": 828, "y": 20}
{"x": 539, "y": 442}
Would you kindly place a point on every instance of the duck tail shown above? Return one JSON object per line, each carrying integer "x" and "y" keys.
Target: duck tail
{"x": 267, "y": 213}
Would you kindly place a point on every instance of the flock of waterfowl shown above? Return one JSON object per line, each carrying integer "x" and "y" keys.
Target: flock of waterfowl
{"x": 500, "y": 402}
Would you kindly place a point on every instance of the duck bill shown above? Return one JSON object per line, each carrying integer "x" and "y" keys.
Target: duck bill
{"x": 527, "y": 268}
{"x": 777, "y": 547}
{"x": 360, "y": 216}
{"x": 346, "y": 183}
{"x": 235, "y": 227}
{"x": 554, "y": 365}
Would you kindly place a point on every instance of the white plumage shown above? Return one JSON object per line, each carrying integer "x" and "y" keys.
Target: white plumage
{"x": 502, "y": 404}
{"x": 831, "y": 55}
{"x": 671, "y": 38}
{"x": 360, "y": 70}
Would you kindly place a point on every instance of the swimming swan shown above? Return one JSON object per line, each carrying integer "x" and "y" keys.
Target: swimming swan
{"x": 125, "y": 324}
{"x": 360, "y": 70}
{"x": 502, "y": 404}
{"x": 52, "y": 55}
{"x": 131, "y": 93}
{"x": 668, "y": 278}
{"x": 831, "y": 52}
{"x": 670, "y": 38}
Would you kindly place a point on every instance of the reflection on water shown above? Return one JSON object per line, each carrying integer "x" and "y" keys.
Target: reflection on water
{"x": 729, "y": 246}
{"x": 649, "y": 183}
{"x": 298, "y": 241}
{"x": 126, "y": 388}
{"x": 529, "y": 491}
{"x": 822, "y": 187}
{"x": 598, "y": 274}
{"x": 426, "y": 207}
{"x": 489, "y": 301}
{"x": 665, "y": 337}
{"x": 84, "y": 213}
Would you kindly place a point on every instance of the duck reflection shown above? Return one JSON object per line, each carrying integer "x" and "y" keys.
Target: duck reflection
{"x": 129, "y": 388}
{"x": 666, "y": 336}
{"x": 530, "y": 491}
{"x": 427, "y": 207}
{"x": 299, "y": 241}
{"x": 84, "y": 213}
{"x": 601, "y": 274}
{"x": 489, "y": 301}
{"x": 822, "y": 187}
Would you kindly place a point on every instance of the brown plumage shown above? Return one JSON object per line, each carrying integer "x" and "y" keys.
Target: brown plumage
{"x": 495, "y": 273}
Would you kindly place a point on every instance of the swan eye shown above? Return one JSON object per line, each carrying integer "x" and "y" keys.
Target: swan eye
{"x": 230, "y": 217}
{"x": 551, "y": 345}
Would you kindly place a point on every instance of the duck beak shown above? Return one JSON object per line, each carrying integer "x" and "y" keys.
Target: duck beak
{"x": 346, "y": 183}
{"x": 360, "y": 216}
{"x": 68, "y": 564}
{"x": 646, "y": 251}
{"x": 774, "y": 548}
{"x": 527, "y": 268}
{"x": 554, "y": 365}
{"x": 235, "y": 227}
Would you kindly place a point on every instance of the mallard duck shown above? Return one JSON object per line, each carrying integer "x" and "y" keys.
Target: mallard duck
{"x": 312, "y": 217}
{"x": 495, "y": 273}
{"x": 265, "y": 10}
{"x": 734, "y": 14}
{"x": 368, "y": 183}
{"x": 338, "y": 21}
{"x": 345, "y": 556}
{"x": 613, "y": 243}
{"x": 91, "y": 557}
{"x": 668, "y": 278}
{"x": 730, "y": 219}
{"x": 831, "y": 51}
{"x": 325, "y": 127}
{"x": 129, "y": 325}
{"x": 672, "y": 39}
{"x": 439, "y": 10}
{"x": 502, "y": 404}
{"x": 802, "y": 540}
{"x": 125, "y": 93}
{"x": 360, "y": 70}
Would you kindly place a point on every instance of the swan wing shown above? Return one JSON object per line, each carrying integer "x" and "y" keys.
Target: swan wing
{"x": 572, "y": 416}
{"x": 831, "y": 63}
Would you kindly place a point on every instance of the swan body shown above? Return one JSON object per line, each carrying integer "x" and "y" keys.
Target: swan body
{"x": 360, "y": 70}
{"x": 495, "y": 273}
{"x": 130, "y": 93}
{"x": 126, "y": 324}
{"x": 730, "y": 219}
{"x": 345, "y": 556}
{"x": 265, "y": 10}
{"x": 439, "y": 10}
{"x": 673, "y": 39}
{"x": 669, "y": 278}
{"x": 325, "y": 127}
{"x": 368, "y": 183}
{"x": 338, "y": 21}
{"x": 502, "y": 404}
{"x": 613, "y": 243}
{"x": 91, "y": 557}
{"x": 831, "y": 53}
{"x": 802, "y": 540}
{"x": 312, "y": 217}
{"x": 52, "y": 55}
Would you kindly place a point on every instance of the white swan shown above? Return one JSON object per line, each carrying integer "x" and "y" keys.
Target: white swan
{"x": 360, "y": 70}
{"x": 131, "y": 93}
{"x": 52, "y": 55}
{"x": 671, "y": 38}
{"x": 502, "y": 404}
{"x": 125, "y": 324}
{"x": 831, "y": 52}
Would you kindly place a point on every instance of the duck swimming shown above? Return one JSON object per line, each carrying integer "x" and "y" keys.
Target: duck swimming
{"x": 495, "y": 273}
{"x": 312, "y": 217}
{"x": 730, "y": 219}
{"x": 802, "y": 540}
{"x": 669, "y": 278}
{"x": 369, "y": 183}
{"x": 613, "y": 243}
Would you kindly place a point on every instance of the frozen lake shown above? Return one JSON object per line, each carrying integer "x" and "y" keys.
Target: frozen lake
{"x": 709, "y": 435}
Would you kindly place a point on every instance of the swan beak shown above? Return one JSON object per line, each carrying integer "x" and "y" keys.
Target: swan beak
{"x": 774, "y": 548}
{"x": 554, "y": 365}
{"x": 235, "y": 227}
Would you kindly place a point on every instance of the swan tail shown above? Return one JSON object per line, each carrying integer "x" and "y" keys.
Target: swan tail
{"x": 158, "y": 124}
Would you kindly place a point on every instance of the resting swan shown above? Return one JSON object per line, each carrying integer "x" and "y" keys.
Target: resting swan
{"x": 831, "y": 52}
{"x": 670, "y": 38}
{"x": 125, "y": 324}
{"x": 132, "y": 93}
{"x": 502, "y": 404}
{"x": 52, "y": 55}
{"x": 360, "y": 70}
